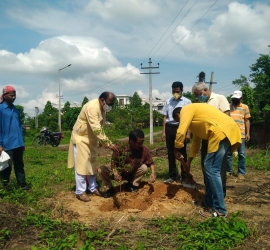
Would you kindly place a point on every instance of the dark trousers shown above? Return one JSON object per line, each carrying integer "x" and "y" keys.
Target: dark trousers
{"x": 170, "y": 138}
{"x": 16, "y": 157}
{"x": 223, "y": 166}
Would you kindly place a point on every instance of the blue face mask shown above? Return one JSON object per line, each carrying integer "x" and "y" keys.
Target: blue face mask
{"x": 203, "y": 98}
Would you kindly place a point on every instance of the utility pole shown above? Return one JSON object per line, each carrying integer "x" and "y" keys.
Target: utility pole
{"x": 211, "y": 81}
{"x": 36, "y": 117}
{"x": 150, "y": 95}
{"x": 60, "y": 96}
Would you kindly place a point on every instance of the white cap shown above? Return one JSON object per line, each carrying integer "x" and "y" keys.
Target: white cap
{"x": 4, "y": 157}
{"x": 237, "y": 94}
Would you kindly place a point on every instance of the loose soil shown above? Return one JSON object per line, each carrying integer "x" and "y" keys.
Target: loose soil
{"x": 251, "y": 197}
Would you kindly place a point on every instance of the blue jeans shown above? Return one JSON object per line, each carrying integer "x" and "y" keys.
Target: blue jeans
{"x": 214, "y": 196}
{"x": 241, "y": 159}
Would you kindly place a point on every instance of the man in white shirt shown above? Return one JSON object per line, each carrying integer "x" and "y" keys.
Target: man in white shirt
{"x": 170, "y": 127}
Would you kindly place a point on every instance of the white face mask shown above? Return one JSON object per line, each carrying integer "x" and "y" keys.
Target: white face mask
{"x": 107, "y": 108}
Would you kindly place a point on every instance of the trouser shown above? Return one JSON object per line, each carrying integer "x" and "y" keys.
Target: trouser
{"x": 214, "y": 196}
{"x": 223, "y": 170}
{"x": 241, "y": 159}
{"x": 134, "y": 178}
{"x": 16, "y": 157}
{"x": 170, "y": 131}
{"x": 83, "y": 180}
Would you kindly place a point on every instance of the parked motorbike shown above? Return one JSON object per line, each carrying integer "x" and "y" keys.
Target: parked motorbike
{"x": 47, "y": 137}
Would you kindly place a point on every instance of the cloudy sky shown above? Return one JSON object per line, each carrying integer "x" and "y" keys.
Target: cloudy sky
{"x": 105, "y": 41}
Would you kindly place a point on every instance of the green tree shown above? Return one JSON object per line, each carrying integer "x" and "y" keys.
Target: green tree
{"x": 260, "y": 76}
{"x": 49, "y": 117}
{"x": 190, "y": 96}
{"x": 85, "y": 100}
{"x": 22, "y": 114}
{"x": 135, "y": 101}
{"x": 241, "y": 82}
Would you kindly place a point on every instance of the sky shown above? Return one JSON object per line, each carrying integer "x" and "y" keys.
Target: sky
{"x": 107, "y": 41}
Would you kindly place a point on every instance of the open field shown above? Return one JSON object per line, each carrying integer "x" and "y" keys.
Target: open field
{"x": 159, "y": 216}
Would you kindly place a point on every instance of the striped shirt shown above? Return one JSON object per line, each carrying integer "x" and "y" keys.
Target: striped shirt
{"x": 171, "y": 104}
{"x": 239, "y": 114}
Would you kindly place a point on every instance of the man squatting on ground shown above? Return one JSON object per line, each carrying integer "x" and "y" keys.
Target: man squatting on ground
{"x": 204, "y": 95}
{"x": 11, "y": 138}
{"x": 208, "y": 123}
{"x": 83, "y": 146}
{"x": 241, "y": 115}
{"x": 129, "y": 163}
{"x": 170, "y": 127}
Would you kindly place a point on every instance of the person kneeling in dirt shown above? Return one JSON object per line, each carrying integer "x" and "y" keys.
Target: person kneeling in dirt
{"x": 130, "y": 163}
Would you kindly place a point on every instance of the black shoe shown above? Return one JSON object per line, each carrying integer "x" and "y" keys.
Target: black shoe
{"x": 131, "y": 188}
{"x": 109, "y": 193}
{"x": 25, "y": 187}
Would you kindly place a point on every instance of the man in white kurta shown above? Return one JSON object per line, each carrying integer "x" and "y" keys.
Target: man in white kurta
{"x": 86, "y": 134}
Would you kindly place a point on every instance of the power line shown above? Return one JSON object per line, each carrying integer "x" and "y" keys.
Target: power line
{"x": 108, "y": 83}
{"x": 165, "y": 31}
{"x": 189, "y": 31}
{"x": 175, "y": 27}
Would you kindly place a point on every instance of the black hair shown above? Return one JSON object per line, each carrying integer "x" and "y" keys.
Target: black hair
{"x": 106, "y": 94}
{"x": 177, "y": 85}
{"x": 176, "y": 111}
{"x": 134, "y": 134}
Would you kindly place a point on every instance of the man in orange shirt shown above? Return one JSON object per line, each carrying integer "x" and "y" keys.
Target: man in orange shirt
{"x": 240, "y": 113}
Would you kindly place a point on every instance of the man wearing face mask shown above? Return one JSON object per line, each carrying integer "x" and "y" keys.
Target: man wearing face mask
{"x": 204, "y": 95}
{"x": 170, "y": 127}
{"x": 241, "y": 115}
{"x": 86, "y": 134}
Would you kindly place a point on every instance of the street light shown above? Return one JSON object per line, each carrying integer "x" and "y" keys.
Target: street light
{"x": 59, "y": 96}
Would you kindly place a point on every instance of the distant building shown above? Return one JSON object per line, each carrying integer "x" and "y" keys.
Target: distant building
{"x": 156, "y": 103}
{"x": 123, "y": 99}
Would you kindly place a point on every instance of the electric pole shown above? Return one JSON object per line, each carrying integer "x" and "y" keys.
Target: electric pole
{"x": 150, "y": 95}
{"x": 36, "y": 117}
{"x": 201, "y": 77}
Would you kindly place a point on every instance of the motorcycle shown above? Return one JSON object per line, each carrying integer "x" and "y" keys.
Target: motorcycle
{"x": 47, "y": 137}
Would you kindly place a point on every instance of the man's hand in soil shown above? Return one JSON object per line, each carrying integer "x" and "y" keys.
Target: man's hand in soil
{"x": 152, "y": 177}
{"x": 117, "y": 177}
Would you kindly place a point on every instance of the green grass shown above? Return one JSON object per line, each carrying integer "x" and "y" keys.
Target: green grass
{"x": 47, "y": 173}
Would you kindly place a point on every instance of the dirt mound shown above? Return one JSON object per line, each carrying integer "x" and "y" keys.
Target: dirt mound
{"x": 151, "y": 199}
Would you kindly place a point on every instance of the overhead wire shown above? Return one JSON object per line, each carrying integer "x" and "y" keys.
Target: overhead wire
{"x": 109, "y": 83}
{"x": 189, "y": 31}
{"x": 165, "y": 31}
{"x": 175, "y": 27}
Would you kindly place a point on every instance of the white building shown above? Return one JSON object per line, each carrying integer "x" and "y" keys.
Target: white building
{"x": 156, "y": 103}
{"x": 123, "y": 99}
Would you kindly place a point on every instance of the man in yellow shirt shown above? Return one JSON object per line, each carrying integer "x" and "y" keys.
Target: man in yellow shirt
{"x": 208, "y": 123}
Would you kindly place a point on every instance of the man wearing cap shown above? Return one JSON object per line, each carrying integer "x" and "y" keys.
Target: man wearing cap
{"x": 11, "y": 138}
{"x": 241, "y": 115}
{"x": 170, "y": 127}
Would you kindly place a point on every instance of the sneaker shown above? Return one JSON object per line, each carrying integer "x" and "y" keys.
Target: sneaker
{"x": 228, "y": 174}
{"x": 170, "y": 180}
{"x": 131, "y": 188}
{"x": 109, "y": 193}
{"x": 83, "y": 197}
{"x": 241, "y": 177}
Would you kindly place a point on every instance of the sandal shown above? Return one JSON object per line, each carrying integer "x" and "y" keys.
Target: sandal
{"x": 208, "y": 214}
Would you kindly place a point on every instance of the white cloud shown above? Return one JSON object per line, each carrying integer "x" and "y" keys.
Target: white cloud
{"x": 241, "y": 25}
{"x": 132, "y": 11}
